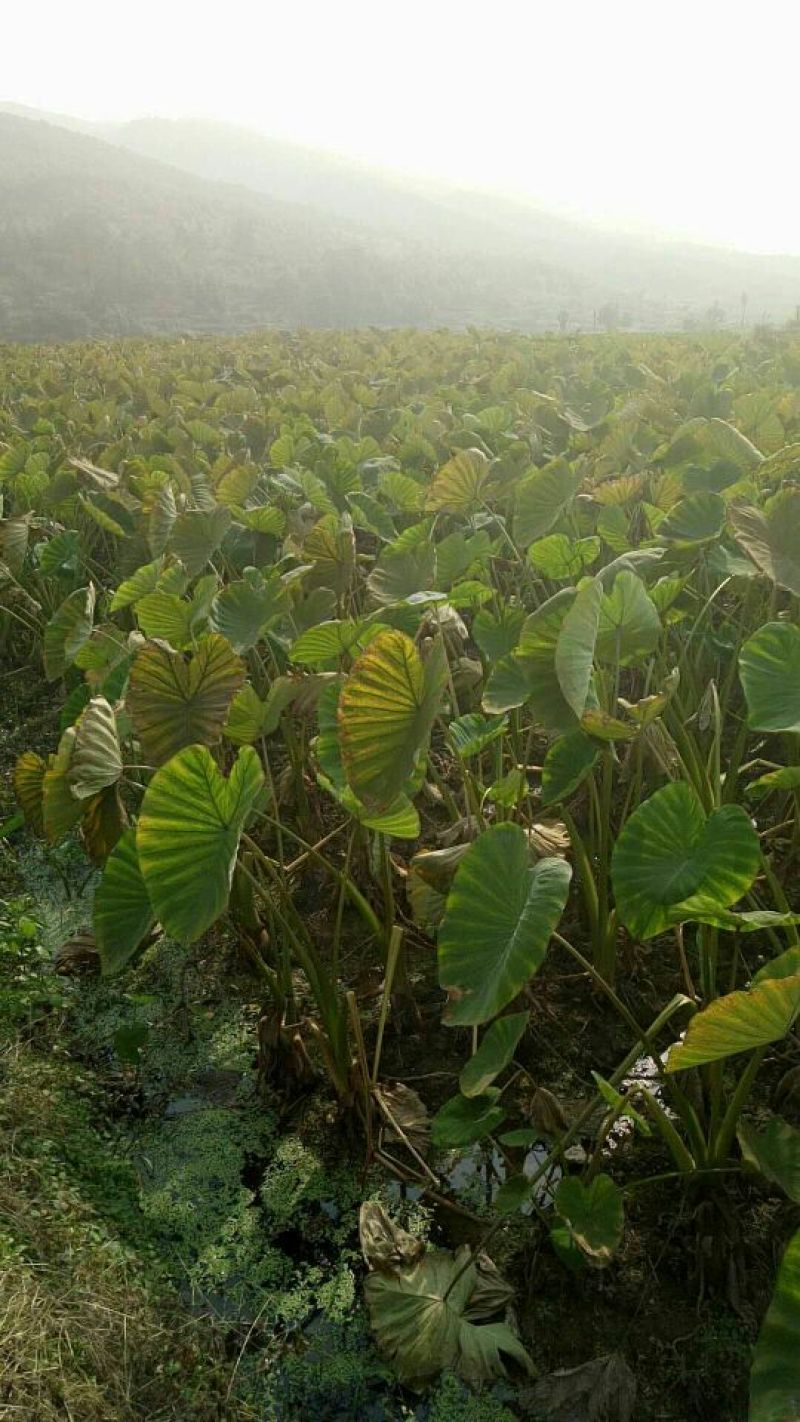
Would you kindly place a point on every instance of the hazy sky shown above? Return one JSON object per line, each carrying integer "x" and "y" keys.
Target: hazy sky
{"x": 681, "y": 116}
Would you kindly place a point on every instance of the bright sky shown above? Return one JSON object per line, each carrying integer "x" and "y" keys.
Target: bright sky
{"x": 677, "y": 116}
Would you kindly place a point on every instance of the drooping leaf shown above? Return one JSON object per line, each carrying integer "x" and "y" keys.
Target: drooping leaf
{"x": 472, "y": 733}
{"x": 738, "y": 1022}
{"x": 496, "y": 1050}
{"x": 775, "y": 1376}
{"x": 188, "y": 836}
{"x": 769, "y": 666}
{"x": 501, "y": 912}
{"x": 772, "y": 537}
{"x": 60, "y": 809}
{"x": 671, "y": 863}
{"x": 29, "y": 773}
{"x": 67, "y": 631}
{"x": 104, "y": 820}
{"x": 123, "y": 914}
{"x": 386, "y": 710}
{"x": 419, "y": 1316}
{"x": 575, "y": 648}
{"x": 175, "y": 703}
{"x": 96, "y": 756}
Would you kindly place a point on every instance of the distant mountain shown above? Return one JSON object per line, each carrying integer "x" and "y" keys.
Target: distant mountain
{"x": 166, "y": 225}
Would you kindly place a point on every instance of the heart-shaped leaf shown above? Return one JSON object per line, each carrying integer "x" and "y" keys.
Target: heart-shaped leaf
{"x": 542, "y": 498}
{"x": 457, "y": 487}
{"x": 188, "y": 836}
{"x": 462, "y": 1121}
{"x": 123, "y": 914}
{"x": 671, "y": 863}
{"x": 96, "y": 757}
{"x": 769, "y": 666}
{"x": 772, "y": 537}
{"x": 175, "y": 703}
{"x": 386, "y": 710}
{"x": 738, "y": 1022}
{"x": 501, "y": 912}
{"x": 593, "y": 1214}
{"x": 566, "y": 765}
{"x": 67, "y": 631}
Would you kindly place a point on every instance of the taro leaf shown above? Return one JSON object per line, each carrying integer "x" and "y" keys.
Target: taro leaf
{"x": 699, "y": 518}
{"x": 165, "y": 616}
{"x": 542, "y": 498}
{"x": 738, "y": 1022}
{"x": 418, "y": 1315}
{"x": 462, "y": 1121}
{"x": 386, "y": 710}
{"x": 244, "y": 608}
{"x": 59, "y": 554}
{"x": 775, "y": 1153}
{"x": 772, "y": 537}
{"x": 494, "y": 1054}
{"x": 123, "y": 914}
{"x": 563, "y": 559}
{"x": 188, "y": 836}
{"x": 325, "y": 643}
{"x": 29, "y": 773}
{"x": 330, "y": 546}
{"x": 566, "y": 765}
{"x": 457, "y": 486}
{"x": 175, "y": 703}
{"x": 263, "y": 518}
{"x": 775, "y": 1376}
{"x": 138, "y": 585}
{"x": 402, "y": 570}
{"x": 496, "y": 635}
{"x": 472, "y": 733}
{"x": 671, "y": 863}
{"x": 529, "y": 673}
{"x": 14, "y": 534}
{"x": 769, "y": 666}
{"x": 601, "y": 1391}
{"x": 196, "y": 535}
{"x": 96, "y": 757}
{"x": 500, "y": 915}
{"x": 60, "y": 809}
{"x": 104, "y": 819}
{"x": 786, "y": 778}
{"x": 161, "y": 520}
{"x": 605, "y": 727}
{"x": 629, "y": 626}
{"x": 593, "y": 1214}
{"x": 67, "y": 631}
{"x": 249, "y": 717}
{"x": 574, "y": 655}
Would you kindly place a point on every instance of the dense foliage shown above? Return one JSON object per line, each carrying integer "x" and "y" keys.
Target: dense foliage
{"x": 379, "y": 642}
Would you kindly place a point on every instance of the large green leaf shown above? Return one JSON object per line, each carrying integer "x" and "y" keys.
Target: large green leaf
{"x": 629, "y": 626}
{"x": 566, "y": 765}
{"x": 96, "y": 757}
{"x": 769, "y": 665}
{"x": 496, "y": 1050}
{"x": 174, "y": 702}
{"x": 386, "y": 710}
{"x": 501, "y": 912}
{"x": 188, "y": 836}
{"x": 542, "y": 498}
{"x": 243, "y": 609}
{"x": 699, "y": 518}
{"x": 29, "y": 773}
{"x": 738, "y": 1022}
{"x": 775, "y": 1152}
{"x": 775, "y": 1377}
{"x": 772, "y": 537}
{"x": 463, "y": 1120}
{"x": 671, "y": 863}
{"x": 197, "y": 535}
{"x": 457, "y": 486}
{"x": 561, "y": 558}
{"x": 575, "y": 648}
{"x": 60, "y": 809}
{"x": 67, "y": 631}
{"x": 123, "y": 914}
{"x": 593, "y": 1215}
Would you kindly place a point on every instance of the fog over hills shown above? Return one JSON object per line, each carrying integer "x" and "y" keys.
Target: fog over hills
{"x": 191, "y": 225}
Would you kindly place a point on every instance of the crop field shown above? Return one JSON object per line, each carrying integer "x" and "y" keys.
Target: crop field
{"x": 401, "y": 878}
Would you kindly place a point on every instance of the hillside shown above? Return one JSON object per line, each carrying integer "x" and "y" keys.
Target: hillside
{"x": 162, "y": 225}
